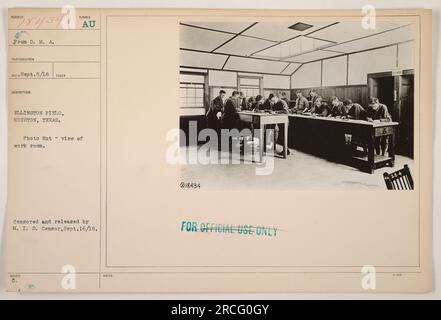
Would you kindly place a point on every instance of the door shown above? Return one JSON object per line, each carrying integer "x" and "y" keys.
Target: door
{"x": 382, "y": 87}
{"x": 406, "y": 115}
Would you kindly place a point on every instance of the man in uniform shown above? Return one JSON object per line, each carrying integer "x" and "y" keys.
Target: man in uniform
{"x": 320, "y": 108}
{"x": 337, "y": 108}
{"x": 269, "y": 102}
{"x": 313, "y": 96}
{"x": 377, "y": 111}
{"x": 302, "y": 104}
{"x": 230, "y": 117}
{"x": 215, "y": 111}
{"x": 280, "y": 106}
{"x": 257, "y": 105}
{"x": 355, "y": 111}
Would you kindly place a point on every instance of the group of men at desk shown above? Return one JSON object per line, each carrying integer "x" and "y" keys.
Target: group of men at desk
{"x": 341, "y": 109}
{"x": 223, "y": 114}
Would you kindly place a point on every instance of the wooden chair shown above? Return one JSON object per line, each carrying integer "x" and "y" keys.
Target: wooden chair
{"x": 399, "y": 180}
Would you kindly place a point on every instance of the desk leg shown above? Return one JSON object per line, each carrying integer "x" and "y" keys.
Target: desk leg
{"x": 371, "y": 152}
{"x": 391, "y": 148}
{"x": 261, "y": 142}
{"x": 285, "y": 140}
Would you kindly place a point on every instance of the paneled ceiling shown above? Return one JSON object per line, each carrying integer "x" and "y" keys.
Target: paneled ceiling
{"x": 279, "y": 47}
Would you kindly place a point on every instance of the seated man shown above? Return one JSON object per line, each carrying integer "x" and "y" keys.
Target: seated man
{"x": 355, "y": 111}
{"x": 320, "y": 108}
{"x": 377, "y": 111}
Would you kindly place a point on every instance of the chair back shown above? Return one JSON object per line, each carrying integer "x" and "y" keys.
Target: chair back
{"x": 399, "y": 180}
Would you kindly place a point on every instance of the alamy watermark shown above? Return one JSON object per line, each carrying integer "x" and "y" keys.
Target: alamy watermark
{"x": 240, "y": 146}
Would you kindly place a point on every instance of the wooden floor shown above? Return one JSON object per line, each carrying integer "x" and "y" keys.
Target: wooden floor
{"x": 298, "y": 171}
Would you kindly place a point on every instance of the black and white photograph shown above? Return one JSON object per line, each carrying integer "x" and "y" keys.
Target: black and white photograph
{"x": 299, "y": 104}
{"x": 244, "y": 150}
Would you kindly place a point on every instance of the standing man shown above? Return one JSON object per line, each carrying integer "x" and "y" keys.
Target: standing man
{"x": 250, "y": 103}
{"x": 337, "y": 109}
{"x": 235, "y": 96}
{"x": 242, "y": 102}
{"x": 302, "y": 104}
{"x": 280, "y": 106}
{"x": 354, "y": 110}
{"x": 214, "y": 115}
{"x": 268, "y": 106}
{"x": 284, "y": 97}
{"x": 257, "y": 105}
{"x": 230, "y": 117}
{"x": 269, "y": 102}
{"x": 320, "y": 108}
{"x": 215, "y": 111}
{"x": 377, "y": 111}
{"x": 313, "y": 96}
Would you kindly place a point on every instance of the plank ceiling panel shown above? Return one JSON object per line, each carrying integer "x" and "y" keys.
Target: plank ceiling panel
{"x": 279, "y": 31}
{"x": 234, "y": 27}
{"x": 383, "y": 39}
{"x": 201, "y": 60}
{"x": 345, "y": 31}
{"x": 193, "y": 38}
{"x": 244, "y": 46}
{"x": 291, "y": 68}
{"x": 292, "y": 47}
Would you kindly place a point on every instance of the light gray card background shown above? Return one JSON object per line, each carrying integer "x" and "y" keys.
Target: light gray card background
{"x": 435, "y": 5}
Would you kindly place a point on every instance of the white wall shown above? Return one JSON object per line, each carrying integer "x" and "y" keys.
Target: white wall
{"x": 229, "y": 79}
{"x": 222, "y": 78}
{"x": 334, "y": 71}
{"x": 309, "y": 75}
{"x": 359, "y": 66}
{"x": 273, "y": 81}
{"x": 406, "y": 55}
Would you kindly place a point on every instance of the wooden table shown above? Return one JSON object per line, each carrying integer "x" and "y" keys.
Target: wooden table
{"x": 263, "y": 119}
{"x": 326, "y": 137}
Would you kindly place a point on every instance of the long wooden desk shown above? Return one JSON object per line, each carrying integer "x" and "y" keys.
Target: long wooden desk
{"x": 263, "y": 119}
{"x": 325, "y": 137}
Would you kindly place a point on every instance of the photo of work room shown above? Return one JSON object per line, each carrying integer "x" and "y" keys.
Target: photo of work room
{"x": 299, "y": 104}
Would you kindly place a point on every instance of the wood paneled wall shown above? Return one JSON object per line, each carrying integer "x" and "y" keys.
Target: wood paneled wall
{"x": 357, "y": 93}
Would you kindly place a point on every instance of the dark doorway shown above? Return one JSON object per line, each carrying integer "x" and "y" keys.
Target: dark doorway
{"x": 382, "y": 87}
{"x": 406, "y": 115}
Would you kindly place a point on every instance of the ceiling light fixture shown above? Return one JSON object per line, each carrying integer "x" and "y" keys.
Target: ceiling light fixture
{"x": 300, "y": 26}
